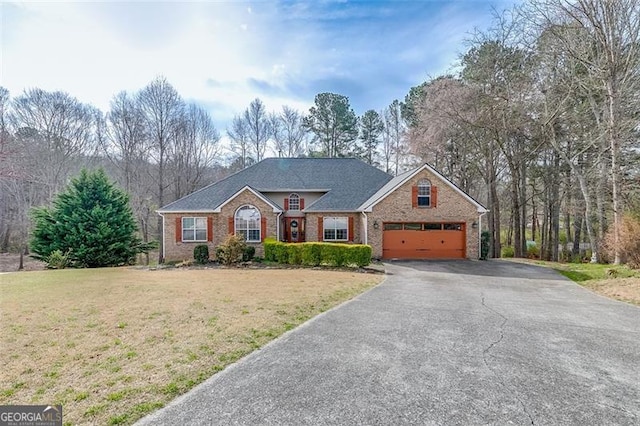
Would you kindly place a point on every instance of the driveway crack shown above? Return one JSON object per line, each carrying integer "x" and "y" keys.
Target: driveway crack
{"x": 485, "y": 355}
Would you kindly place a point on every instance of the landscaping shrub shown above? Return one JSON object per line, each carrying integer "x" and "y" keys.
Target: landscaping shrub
{"x": 294, "y": 254}
{"x": 314, "y": 254}
{"x": 533, "y": 251}
{"x": 201, "y": 254}
{"x": 282, "y": 253}
{"x": 507, "y": 251}
{"x": 231, "y": 251}
{"x": 248, "y": 254}
{"x": 57, "y": 260}
{"x": 269, "y": 249}
{"x": 332, "y": 255}
{"x": 311, "y": 254}
{"x": 358, "y": 254}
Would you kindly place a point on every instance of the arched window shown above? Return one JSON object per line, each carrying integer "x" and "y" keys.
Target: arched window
{"x": 294, "y": 202}
{"x": 424, "y": 193}
{"x": 247, "y": 223}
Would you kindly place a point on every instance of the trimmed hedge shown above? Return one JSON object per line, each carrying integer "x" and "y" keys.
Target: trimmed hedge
{"x": 315, "y": 254}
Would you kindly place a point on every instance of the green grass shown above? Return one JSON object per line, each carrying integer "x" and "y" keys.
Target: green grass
{"x": 581, "y": 272}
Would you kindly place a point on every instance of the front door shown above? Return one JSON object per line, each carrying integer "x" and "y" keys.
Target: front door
{"x": 294, "y": 229}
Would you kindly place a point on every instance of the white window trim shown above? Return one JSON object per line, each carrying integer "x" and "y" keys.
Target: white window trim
{"x": 335, "y": 229}
{"x": 195, "y": 229}
{"x": 247, "y": 229}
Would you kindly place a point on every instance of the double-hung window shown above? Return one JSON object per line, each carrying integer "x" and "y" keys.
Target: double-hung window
{"x": 194, "y": 229}
{"x": 336, "y": 228}
{"x": 424, "y": 193}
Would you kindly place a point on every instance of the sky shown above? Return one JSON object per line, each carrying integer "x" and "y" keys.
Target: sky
{"x": 222, "y": 55}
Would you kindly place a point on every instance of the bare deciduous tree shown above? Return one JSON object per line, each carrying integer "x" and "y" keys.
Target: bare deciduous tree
{"x": 162, "y": 107}
{"x": 258, "y": 128}
{"x": 288, "y": 132}
{"x": 194, "y": 150}
{"x": 239, "y": 135}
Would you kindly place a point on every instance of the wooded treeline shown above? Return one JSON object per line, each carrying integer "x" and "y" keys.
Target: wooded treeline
{"x": 539, "y": 123}
{"x": 543, "y": 116}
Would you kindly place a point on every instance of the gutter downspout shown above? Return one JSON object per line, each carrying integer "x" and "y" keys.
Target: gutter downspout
{"x": 366, "y": 228}
{"x": 164, "y": 246}
{"x": 278, "y": 227}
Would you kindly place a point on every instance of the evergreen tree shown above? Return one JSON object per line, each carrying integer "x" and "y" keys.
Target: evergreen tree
{"x": 371, "y": 127}
{"x": 333, "y": 124}
{"x": 91, "y": 221}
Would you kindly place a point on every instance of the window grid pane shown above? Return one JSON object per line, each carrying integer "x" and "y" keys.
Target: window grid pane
{"x": 194, "y": 229}
{"x": 336, "y": 228}
{"x": 294, "y": 202}
{"x": 247, "y": 223}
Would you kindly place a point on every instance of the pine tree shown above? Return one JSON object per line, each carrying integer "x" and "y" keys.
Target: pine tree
{"x": 91, "y": 221}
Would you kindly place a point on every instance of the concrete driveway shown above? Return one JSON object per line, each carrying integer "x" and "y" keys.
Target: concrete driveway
{"x": 440, "y": 343}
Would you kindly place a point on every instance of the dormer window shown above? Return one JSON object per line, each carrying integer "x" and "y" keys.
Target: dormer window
{"x": 294, "y": 202}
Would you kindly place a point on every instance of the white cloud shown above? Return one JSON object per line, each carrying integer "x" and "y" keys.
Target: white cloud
{"x": 224, "y": 54}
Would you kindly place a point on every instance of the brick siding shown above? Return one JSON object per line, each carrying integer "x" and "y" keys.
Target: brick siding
{"x": 397, "y": 207}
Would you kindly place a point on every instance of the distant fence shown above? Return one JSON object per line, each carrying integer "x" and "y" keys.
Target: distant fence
{"x": 569, "y": 246}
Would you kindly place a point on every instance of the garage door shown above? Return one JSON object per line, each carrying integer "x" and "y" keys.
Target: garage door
{"x": 423, "y": 241}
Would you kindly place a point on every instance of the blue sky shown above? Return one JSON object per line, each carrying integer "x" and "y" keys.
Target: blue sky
{"x": 222, "y": 55}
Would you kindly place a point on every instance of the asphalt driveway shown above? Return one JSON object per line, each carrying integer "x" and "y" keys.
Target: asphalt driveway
{"x": 455, "y": 342}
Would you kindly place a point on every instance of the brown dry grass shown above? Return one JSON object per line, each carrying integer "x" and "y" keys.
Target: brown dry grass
{"x": 114, "y": 344}
{"x": 614, "y": 281}
{"x": 623, "y": 289}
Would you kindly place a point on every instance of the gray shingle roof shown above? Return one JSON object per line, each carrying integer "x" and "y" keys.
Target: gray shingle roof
{"x": 349, "y": 183}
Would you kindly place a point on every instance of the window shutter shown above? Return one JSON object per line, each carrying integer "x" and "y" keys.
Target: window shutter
{"x": 210, "y": 228}
{"x": 263, "y": 228}
{"x": 301, "y": 203}
{"x": 434, "y": 196}
{"x": 414, "y": 196}
{"x": 286, "y": 203}
{"x": 178, "y": 229}
{"x": 351, "y": 228}
{"x": 320, "y": 228}
{"x": 231, "y": 226}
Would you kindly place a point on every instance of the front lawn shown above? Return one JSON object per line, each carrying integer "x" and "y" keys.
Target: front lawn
{"x": 112, "y": 345}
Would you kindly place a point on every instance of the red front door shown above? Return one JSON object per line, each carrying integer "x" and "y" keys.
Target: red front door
{"x": 294, "y": 229}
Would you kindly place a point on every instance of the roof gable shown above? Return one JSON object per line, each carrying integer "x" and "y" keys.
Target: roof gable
{"x": 401, "y": 179}
{"x": 276, "y": 208}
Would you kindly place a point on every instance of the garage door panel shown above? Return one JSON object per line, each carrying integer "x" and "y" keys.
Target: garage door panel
{"x": 425, "y": 244}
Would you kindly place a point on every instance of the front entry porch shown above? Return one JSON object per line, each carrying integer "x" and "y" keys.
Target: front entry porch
{"x": 294, "y": 229}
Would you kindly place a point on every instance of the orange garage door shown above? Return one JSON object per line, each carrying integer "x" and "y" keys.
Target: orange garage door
{"x": 423, "y": 241}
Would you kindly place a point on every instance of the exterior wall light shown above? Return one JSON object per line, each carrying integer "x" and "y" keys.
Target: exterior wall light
{"x": 376, "y": 225}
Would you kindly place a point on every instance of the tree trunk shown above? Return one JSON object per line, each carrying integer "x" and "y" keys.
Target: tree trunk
{"x": 613, "y": 146}
{"x": 21, "y": 264}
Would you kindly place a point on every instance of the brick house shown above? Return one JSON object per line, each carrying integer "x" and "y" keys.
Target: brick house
{"x": 416, "y": 215}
